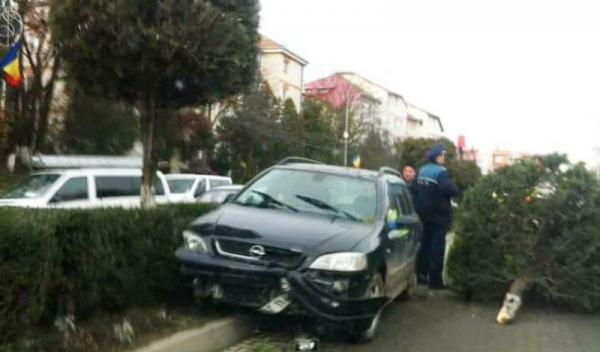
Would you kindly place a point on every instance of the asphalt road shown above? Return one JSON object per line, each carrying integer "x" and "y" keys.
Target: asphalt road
{"x": 432, "y": 322}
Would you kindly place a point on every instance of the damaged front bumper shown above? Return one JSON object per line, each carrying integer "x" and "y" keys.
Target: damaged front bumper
{"x": 256, "y": 285}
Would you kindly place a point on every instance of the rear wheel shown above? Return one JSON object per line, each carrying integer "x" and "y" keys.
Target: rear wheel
{"x": 364, "y": 331}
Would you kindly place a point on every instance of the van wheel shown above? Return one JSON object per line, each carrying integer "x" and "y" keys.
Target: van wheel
{"x": 411, "y": 286}
{"x": 364, "y": 331}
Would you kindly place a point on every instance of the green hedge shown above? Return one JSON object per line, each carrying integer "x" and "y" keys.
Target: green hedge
{"x": 55, "y": 262}
{"x": 534, "y": 221}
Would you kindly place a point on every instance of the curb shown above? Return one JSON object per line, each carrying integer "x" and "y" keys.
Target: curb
{"x": 212, "y": 337}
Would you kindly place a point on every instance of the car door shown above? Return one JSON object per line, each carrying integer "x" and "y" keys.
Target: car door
{"x": 396, "y": 237}
{"x": 409, "y": 221}
{"x": 74, "y": 193}
{"x": 201, "y": 187}
{"x": 161, "y": 191}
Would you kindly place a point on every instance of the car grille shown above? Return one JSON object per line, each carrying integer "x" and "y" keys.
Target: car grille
{"x": 274, "y": 256}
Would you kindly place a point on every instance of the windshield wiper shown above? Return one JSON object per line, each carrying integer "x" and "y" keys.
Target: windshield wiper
{"x": 268, "y": 199}
{"x": 322, "y": 205}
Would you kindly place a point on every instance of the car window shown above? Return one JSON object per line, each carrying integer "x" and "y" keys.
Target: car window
{"x": 117, "y": 186}
{"x": 74, "y": 189}
{"x": 179, "y": 186}
{"x": 33, "y": 186}
{"x": 397, "y": 195}
{"x": 407, "y": 202}
{"x": 218, "y": 182}
{"x": 307, "y": 191}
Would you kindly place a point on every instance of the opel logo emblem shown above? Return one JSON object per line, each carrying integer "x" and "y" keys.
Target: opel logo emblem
{"x": 257, "y": 251}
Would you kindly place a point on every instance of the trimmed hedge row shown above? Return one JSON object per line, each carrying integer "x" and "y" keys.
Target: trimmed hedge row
{"x": 56, "y": 262}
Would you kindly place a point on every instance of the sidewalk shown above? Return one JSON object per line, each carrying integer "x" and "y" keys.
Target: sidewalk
{"x": 434, "y": 322}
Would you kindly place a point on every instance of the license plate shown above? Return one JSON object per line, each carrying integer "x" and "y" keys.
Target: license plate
{"x": 277, "y": 305}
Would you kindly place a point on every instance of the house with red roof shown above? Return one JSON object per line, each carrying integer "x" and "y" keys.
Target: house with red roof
{"x": 384, "y": 108}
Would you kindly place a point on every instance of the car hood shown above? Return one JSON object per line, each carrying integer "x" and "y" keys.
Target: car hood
{"x": 304, "y": 232}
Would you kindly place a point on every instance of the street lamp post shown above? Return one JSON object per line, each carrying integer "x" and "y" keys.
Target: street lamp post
{"x": 346, "y": 136}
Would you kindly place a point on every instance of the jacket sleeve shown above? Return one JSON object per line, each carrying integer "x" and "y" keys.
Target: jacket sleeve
{"x": 446, "y": 186}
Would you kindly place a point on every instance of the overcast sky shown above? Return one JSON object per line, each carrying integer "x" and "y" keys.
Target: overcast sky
{"x": 517, "y": 75}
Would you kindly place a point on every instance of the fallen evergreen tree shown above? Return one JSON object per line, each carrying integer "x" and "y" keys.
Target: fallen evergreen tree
{"x": 534, "y": 228}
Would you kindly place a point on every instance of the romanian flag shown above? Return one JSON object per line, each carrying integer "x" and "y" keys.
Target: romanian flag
{"x": 10, "y": 66}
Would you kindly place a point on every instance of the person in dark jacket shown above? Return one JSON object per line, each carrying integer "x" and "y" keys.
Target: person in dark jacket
{"x": 433, "y": 192}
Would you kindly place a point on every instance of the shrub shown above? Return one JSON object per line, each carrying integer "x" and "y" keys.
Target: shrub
{"x": 537, "y": 222}
{"x": 56, "y": 262}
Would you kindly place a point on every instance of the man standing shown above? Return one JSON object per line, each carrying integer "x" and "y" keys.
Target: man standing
{"x": 433, "y": 192}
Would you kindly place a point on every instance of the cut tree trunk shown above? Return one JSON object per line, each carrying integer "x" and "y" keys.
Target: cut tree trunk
{"x": 512, "y": 301}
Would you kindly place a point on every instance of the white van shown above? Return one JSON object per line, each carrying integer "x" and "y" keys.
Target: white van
{"x": 83, "y": 188}
{"x": 188, "y": 187}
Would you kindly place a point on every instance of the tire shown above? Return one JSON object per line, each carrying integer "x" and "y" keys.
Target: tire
{"x": 365, "y": 331}
{"x": 411, "y": 286}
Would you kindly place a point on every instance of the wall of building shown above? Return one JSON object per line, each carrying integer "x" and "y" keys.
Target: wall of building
{"x": 420, "y": 124}
{"x": 284, "y": 75}
{"x": 392, "y": 112}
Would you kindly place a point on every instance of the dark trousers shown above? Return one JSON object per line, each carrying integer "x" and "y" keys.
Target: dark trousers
{"x": 430, "y": 260}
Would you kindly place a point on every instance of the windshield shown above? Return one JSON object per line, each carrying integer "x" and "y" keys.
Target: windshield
{"x": 302, "y": 191}
{"x": 34, "y": 186}
{"x": 181, "y": 185}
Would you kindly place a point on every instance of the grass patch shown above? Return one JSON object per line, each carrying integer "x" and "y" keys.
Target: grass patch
{"x": 264, "y": 345}
{"x": 116, "y": 332}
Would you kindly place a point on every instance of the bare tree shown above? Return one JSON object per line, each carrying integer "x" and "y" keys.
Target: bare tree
{"x": 42, "y": 68}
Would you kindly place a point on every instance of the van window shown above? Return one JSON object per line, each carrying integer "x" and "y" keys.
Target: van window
{"x": 74, "y": 189}
{"x": 218, "y": 182}
{"x": 117, "y": 186}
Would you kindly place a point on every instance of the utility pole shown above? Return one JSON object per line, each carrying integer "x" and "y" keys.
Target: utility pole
{"x": 346, "y": 134}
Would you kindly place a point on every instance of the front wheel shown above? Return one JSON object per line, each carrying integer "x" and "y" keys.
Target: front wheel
{"x": 365, "y": 331}
{"x": 411, "y": 287}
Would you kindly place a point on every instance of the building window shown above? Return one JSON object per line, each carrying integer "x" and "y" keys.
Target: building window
{"x": 286, "y": 65}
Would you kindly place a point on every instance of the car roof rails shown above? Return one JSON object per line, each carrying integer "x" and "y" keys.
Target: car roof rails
{"x": 389, "y": 171}
{"x": 297, "y": 160}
